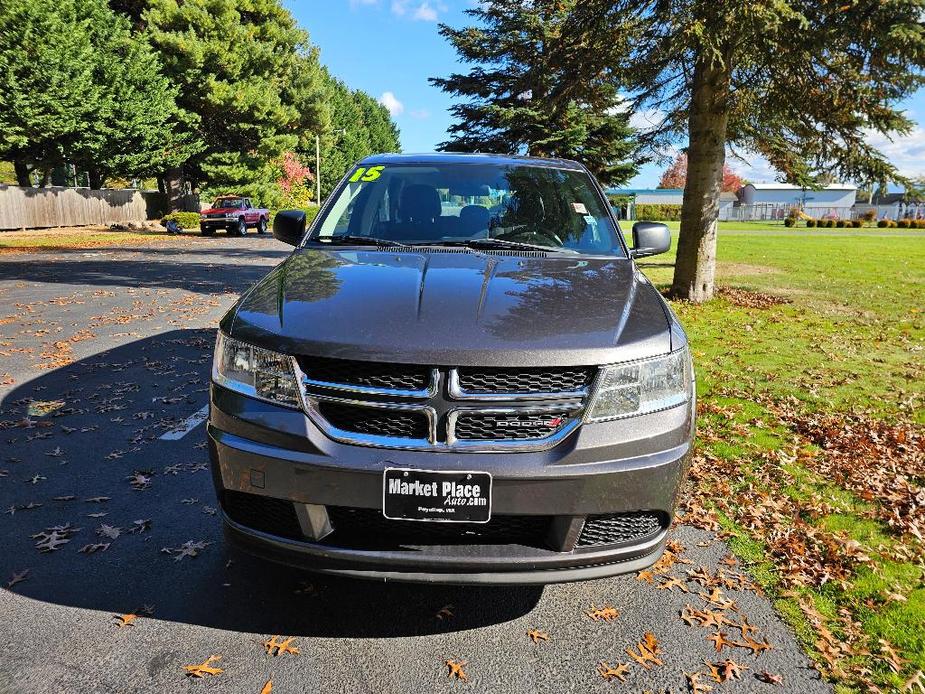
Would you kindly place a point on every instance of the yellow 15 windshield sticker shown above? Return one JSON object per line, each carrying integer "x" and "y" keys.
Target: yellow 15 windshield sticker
{"x": 364, "y": 174}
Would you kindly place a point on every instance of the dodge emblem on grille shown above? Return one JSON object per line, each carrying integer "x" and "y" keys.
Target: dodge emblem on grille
{"x": 551, "y": 423}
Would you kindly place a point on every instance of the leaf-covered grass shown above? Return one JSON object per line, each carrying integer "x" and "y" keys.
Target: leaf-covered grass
{"x": 75, "y": 238}
{"x": 848, "y": 347}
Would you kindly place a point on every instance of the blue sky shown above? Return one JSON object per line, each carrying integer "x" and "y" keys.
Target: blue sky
{"x": 390, "y": 47}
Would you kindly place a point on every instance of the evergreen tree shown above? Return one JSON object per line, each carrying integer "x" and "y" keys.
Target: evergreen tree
{"x": 233, "y": 63}
{"x": 138, "y": 130}
{"x": 531, "y": 90}
{"x": 76, "y": 87}
{"x": 47, "y": 88}
{"x": 359, "y": 127}
{"x": 800, "y": 81}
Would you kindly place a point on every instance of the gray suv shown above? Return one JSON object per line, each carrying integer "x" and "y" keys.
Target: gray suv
{"x": 459, "y": 375}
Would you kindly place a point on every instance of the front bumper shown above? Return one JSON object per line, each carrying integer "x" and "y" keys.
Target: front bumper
{"x": 278, "y": 457}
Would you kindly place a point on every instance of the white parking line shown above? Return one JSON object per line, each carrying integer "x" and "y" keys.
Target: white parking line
{"x": 187, "y": 425}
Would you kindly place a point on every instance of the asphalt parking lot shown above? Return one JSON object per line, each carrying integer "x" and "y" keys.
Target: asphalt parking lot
{"x": 102, "y": 353}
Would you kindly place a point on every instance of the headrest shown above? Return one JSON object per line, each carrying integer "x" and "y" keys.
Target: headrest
{"x": 474, "y": 217}
{"x": 419, "y": 203}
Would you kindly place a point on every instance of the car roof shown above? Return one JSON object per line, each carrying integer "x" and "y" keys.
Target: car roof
{"x": 465, "y": 158}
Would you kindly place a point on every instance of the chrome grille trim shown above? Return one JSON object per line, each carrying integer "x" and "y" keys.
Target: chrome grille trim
{"x": 428, "y": 392}
{"x": 457, "y": 392}
{"x": 574, "y": 405}
{"x": 360, "y": 439}
{"x": 518, "y": 444}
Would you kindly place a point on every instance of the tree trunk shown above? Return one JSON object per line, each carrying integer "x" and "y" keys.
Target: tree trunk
{"x": 95, "y": 179}
{"x": 173, "y": 182}
{"x": 695, "y": 266}
{"x": 23, "y": 177}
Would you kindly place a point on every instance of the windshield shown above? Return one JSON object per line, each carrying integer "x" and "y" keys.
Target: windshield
{"x": 229, "y": 203}
{"x": 480, "y": 203}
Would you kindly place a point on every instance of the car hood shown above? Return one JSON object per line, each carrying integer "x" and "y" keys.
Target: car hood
{"x": 216, "y": 210}
{"x": 454, "y": 308}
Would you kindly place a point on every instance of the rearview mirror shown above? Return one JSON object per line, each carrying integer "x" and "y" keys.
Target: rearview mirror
{"x": 650, "y": 238}
{"x": 289, "y": 226}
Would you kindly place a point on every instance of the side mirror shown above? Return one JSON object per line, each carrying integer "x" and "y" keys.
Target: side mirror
{"x": 289, "y": 226}
{"x": 650, "y": 238}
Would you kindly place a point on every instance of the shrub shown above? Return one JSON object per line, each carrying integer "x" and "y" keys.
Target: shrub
{"x": 185, "y": 220}
{"x": 857, "y": 223}
{"x": 869, "y": 215}
{"x": 883, "y": 224}
{"x": 659, "y": 213}
{"x": 840, "y": 223}
{"x": 893, "y": 224}
{"x": 904, "y": 223}
{"x": 789, "y": 221}
{"x": 810, "y": 222}
{"x": 920, "y": 223}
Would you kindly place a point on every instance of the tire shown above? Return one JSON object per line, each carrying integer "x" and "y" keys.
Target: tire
{"x": 206, "y": 231}
{"x": 240, "y": 229}
{"x": 262, "y": 226}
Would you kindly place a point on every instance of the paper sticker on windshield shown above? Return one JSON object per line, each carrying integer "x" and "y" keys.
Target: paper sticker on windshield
{"x": 579, "y": 207}
{"x": 364, "y": 174}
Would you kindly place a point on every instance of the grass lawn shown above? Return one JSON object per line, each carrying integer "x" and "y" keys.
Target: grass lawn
{"x": 811, "y": 440}
{"x": 75, "y": 238}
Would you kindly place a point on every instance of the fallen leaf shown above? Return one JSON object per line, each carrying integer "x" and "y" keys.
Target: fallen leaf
{"x": 672, "y": 583}
{"x": 754, "y": 646}
{"x": 536, "y": 635}
{"x": 730, "y": 670}
{"x": 648, "y": 651}
{"x": 276, "y": 647}
{"x": 696, "y": 686}
{"x": 17, "y": 577}
{"x": 608, "y": 673}
{"x": 719, "y": 640}
{"x": 915, "y": 682}
{"x": 93, "y": 548}
{"x": 646, "y": 576}
{"x": 267, "y": 688}
{"x": 768, "y": 678}
{"x": 125, "y": 620}
{"x": 455, "y": 669}
{"x": 603, "y": 614}
{"x": 204, "y": 668}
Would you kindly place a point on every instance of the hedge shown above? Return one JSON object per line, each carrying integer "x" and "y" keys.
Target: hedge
{"x": 659, "y": 213}
{"x": 185, "y": 220}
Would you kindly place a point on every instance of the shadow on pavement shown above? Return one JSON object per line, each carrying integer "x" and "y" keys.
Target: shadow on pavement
{"x": 95, "y": 423}
{"x": 205, "y": 271}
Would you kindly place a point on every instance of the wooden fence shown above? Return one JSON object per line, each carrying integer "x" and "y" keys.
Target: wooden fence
{"x": 37, "y": 208}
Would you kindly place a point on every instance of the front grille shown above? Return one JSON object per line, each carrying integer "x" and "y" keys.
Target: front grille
{"x": 486, "y": 426}
{"x": 366, "y": 374}
{"x": 500, "y": 381}
{"x": 361, "y": 528}
{"x": 621, "y": 528}
{"x": 375, "y": 421}
{"x": 264, "y": 513}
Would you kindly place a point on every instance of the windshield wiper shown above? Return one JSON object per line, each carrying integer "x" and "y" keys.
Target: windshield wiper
{"x": 489, "y": 243}
{"x": 354, "y": 240}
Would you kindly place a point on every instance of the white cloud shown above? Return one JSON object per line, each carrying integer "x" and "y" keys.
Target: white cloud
{"x": 420, "y": 11}
{"x": 907, "y": 153}
{"x": 425, "y": 13}
{"x": 391, "y": 102}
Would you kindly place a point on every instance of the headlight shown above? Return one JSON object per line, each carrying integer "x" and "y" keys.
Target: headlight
{"x": 639, "y": 387}
{"x": 203, "y": 216}
{"x": 254, "y": 371}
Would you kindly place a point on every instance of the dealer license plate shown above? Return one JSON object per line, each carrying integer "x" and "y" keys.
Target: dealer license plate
{"x": 426, "y": 495}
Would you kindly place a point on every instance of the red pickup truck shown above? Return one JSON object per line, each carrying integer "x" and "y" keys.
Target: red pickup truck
{"x": 234, "y": 213}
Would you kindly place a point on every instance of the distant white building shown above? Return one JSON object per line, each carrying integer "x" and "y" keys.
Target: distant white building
{"x": 837, "y": 195}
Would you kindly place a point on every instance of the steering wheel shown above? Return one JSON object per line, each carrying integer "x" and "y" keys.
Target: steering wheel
{"x": 515, "y": 233}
